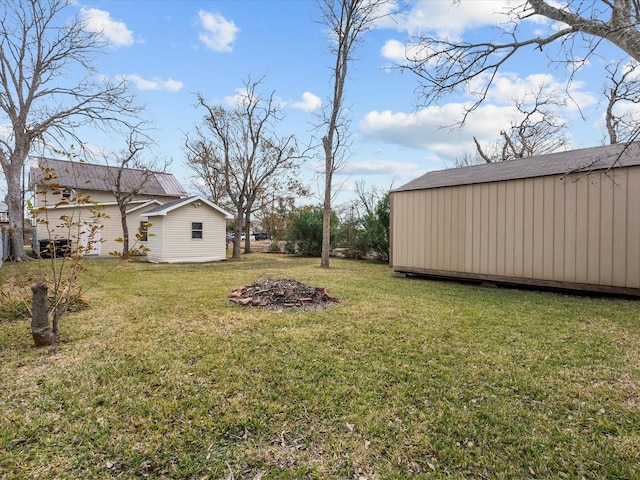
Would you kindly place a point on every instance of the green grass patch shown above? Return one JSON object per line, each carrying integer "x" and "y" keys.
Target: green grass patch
{"x": 163, "y": 377}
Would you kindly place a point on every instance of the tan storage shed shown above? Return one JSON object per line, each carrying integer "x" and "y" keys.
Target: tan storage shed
{"x": 567, "y": 220}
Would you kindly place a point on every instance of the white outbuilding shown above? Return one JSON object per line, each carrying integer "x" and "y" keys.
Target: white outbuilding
{"x": 190, "y": 229}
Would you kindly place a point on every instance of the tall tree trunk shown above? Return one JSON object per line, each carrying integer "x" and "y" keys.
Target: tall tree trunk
{"x": 125, "y": 232}
{"x": 247, "y": 230}
{"x": 16, "y": 212}
{"x": 236, "y": 236}
{"x": 40, "y": 329}
{"x": 327, "y": 143}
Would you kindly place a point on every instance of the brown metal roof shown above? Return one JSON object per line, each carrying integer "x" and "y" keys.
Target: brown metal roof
{"x": 583, "y": 160}
{"x": 87, "y": 176}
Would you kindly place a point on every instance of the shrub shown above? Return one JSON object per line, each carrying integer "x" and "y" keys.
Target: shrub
{"x": 305, "y": 234}
{"x": 375, "y": 234}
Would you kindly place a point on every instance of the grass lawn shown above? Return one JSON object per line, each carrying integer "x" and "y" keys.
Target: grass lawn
{"x": 163, "y": 377}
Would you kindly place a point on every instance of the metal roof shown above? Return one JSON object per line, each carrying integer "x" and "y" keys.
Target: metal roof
{"x": 583, "y": 160}
{"x": 87, "y": 176}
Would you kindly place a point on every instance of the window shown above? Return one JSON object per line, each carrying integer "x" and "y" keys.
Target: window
{"x": 143, "y": 231}
{"x": 196, "y": 229}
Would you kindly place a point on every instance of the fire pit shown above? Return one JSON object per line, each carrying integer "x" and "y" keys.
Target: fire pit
{"x": 282, "y": 293}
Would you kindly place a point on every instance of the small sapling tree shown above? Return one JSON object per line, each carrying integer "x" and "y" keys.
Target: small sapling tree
{"x": 72, "y": 222}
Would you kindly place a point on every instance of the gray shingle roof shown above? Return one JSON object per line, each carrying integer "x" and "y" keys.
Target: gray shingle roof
{"x": 583, "y": 160}
{"x": 87, "y": 176}
{"x": 169, "y": 206}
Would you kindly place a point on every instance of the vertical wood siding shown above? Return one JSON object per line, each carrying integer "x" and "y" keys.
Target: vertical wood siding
{"x": 574, "y": 229}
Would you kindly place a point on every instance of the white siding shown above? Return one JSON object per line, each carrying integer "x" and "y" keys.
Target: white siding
{"x": 110, "y": 231}
{"x": 173, "y": 242}
{"x": 155, "y": 239}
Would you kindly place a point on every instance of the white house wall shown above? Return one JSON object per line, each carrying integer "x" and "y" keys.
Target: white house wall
{"x": 174, "y": 233}
{"x": 155, "y": 239}
{"x": 110, "y": 231}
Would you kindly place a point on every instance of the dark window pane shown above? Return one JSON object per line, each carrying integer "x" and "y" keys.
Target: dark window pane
{"x": 196, "y": 229}
{"x": 143, "y": 231}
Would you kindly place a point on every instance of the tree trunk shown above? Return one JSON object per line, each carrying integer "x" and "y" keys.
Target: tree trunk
{"x": 125, "y": 233}
{"x": 247, "y": 227}
{"x": 16, "y": 212}
{"x": 326, "y": 231}
{"x": 40, "y": 329}
{"x": 327, "y": 143}
{"x": 236, "y": 236}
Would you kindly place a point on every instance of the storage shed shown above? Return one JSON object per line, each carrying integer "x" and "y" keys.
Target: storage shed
{"x": 567, "y": 220}
{"x": 187, "y": 230}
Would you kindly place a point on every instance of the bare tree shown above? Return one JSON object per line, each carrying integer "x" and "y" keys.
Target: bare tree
{"x": 209, "y": 178}
{"x": 537, "y": 129}
{"x": 445, "y": 66}
{"x": 622, "y": 91}
{"x": 349, "y": 21}
{"x": 38, "y": 48}
{"x": 368, "y": 197}
{"x": 129, "y": 177}
{"x": 239, "y": 148}
{"x": 287, "y": 188}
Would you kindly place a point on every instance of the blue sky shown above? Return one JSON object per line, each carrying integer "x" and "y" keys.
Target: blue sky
{"x": 170, "y": 49}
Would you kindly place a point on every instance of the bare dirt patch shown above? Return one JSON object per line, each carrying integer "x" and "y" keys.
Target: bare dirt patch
{"x": 282, "y": 293}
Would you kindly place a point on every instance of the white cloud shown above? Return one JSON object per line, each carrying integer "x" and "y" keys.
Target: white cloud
{"x": 238, "y": 99}
{"x": 155, "y": 83}
{"x": 394, "y": 50}
{"x": 379, "y": 167}
{"x": 99, "y": 21}
{"x": 450, "y": 19}
{"x": 242, "y": 97}
{"x": 219, "y": 33}
{"x": 507, "y": 87}
{"x": 309, "y": 102}
{"x": 426, "y": 129}
{"x": 430, "y": 128}
{"x": 399, "y": 52}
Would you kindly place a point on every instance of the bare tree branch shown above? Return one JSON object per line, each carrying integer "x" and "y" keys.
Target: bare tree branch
{"x": 445, "y": 66}
{"x": 37, "y": 49}
{"x": 238, "y": 152}
{"x": 128, "y": 188}
{"x": 537, "y": 130}
{"x": 349, "y": 21}
{"x": 622, "y": 90}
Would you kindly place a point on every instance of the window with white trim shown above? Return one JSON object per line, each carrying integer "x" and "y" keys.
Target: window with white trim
{"x": 196, "y": 230}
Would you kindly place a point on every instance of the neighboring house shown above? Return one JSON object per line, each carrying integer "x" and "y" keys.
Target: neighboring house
{"x": 4, "y": 213}
{"x": 187, "y": 230}
{"x": 566, "y": 220}
{"x": 96, "y": 181}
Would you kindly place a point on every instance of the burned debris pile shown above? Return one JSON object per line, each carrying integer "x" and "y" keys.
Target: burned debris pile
{"x": 282, "y": 293}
